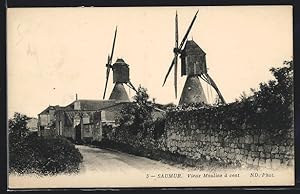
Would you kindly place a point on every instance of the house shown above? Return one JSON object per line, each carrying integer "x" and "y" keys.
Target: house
{"x": 46, "y": 120}
{"x": 32, "y": 125}
{"x": 81, "y": 120}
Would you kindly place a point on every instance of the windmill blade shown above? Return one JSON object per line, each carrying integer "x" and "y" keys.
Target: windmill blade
{"x": 188, "y": 31}
{"x": 176, "y": 55}
{"x": 171, "y": 66}
{"x": 174, "y": 61}
{"x": 109, "y": 61}
{"x": 175, "y": 74}
{"x": 107, "y": 76}
{"x": 214, "y": 85}
{"x": 176, "y": 30}
{"x": 113, "y": 47}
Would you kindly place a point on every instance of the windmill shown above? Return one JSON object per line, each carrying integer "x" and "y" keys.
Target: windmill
{"x": 120, "y": 76}
{"x": 193, "y": 65}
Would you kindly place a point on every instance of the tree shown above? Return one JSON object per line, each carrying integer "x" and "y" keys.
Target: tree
{"x": 280, "y": 90}
{"x": 284, "y": 81}
{"x": 137, "y": 116}
{"x": 141, "y": 97}
{"x": 17, "y": 127}
{"x": 272, "y": 103}
{"x": 243, "y": 96}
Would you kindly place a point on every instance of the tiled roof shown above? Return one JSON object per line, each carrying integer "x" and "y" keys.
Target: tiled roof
{"x": 93, "y": 104}
{"x": 57, "y": 107}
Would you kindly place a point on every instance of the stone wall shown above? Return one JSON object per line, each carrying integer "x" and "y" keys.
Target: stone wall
{"x": 188, "y": 134}
{"x": 97, "y": 132}
{"x": 215, "y": 135}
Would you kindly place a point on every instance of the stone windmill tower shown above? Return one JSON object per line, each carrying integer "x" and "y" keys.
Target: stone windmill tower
{"x": 193, "y": 65}
{"x": 120, "y": 77}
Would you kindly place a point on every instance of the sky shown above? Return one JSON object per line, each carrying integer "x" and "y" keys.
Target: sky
{"x": 54, "y": 53}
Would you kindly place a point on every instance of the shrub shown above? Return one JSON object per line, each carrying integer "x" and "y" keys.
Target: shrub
{"x": 159, "y": 127}
{"x": 42, "y": 155}
{"x": 269, "y": 108}
{"x": 17, "y": 127}
{"x": 136, "y": 117}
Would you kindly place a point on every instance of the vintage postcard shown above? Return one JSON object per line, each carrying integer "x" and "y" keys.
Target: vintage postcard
{"x": 123, "y": 97}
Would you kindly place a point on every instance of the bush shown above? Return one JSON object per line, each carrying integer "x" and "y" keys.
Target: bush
{"x": 159, "y": 127}
{"x": 136, "y": 117}
{"x": 269, "y": 108}
{"x": 29, "y": 153}
{"x": 17, "y": 127}
{"x": 41, "y": 155}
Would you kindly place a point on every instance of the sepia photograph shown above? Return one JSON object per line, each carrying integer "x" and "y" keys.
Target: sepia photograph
{"x": 140, "y": 97}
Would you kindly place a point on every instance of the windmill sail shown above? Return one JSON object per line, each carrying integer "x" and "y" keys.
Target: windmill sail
{"x": 177, "y": 50}
{"x": 109, "y": 61}
{"x": 193, "y": 65}
{"x": 107, "y": 76}
{"x": 176, "y": 54}
{"x": 188, "y": 31}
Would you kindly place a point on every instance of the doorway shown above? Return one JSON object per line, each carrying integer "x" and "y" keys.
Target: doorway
{"x": 78, "y": 134}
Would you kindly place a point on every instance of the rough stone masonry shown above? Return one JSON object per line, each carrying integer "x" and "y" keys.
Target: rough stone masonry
{"x": 196, "y": 138}
{"x": 222, "y": 137}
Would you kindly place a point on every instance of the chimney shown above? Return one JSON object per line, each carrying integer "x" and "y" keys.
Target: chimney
{"x": 76, "y": 97}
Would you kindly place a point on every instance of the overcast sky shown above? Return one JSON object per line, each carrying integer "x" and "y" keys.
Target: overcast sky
{"x": 54, "y": 53}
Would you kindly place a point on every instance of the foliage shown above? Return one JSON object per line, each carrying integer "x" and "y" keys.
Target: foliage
{"x": 166, "y": 106}
{"x": 270, "y": 107}
{"x": 141, "y": 96}
{"x": 136, "y": 117}
{"x": 159, "y": 127}
{"x": 188, "y": 107}
{"x": 29, "y": 153}
{"x": 274, "y": 100}
{"x": 243, "y": 96}
{"x": 17, "y": 127}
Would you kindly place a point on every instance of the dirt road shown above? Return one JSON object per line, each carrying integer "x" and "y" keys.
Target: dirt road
{"x": 112, "y": 169}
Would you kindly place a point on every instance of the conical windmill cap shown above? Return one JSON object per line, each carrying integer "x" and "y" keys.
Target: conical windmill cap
{"x": 119, "y": 93}
{"x": 191, "y": 47}
{"x": 120, "y": 61}
{"x": 192, "y": 91}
